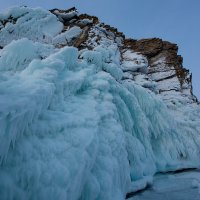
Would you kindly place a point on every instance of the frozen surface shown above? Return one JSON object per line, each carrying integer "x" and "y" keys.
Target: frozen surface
{"x": 66, "y": 15}
{"x": 134, "y": 62}
{"x": 71, "y": 127}
{"x": 34, "y": 24}
{"x": 180, "y": 186}
{"x": 66, "y": 37}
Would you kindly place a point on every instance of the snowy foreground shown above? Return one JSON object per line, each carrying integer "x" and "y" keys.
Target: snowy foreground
{"x": 181, "y": 186}
{"x": 71, "y": 128}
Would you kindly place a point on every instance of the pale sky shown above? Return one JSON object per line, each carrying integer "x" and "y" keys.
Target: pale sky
{"x": 177, "y": 21}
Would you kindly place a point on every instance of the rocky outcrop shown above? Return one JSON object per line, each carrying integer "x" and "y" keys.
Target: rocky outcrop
{"x": 152, "y": 63}
{"x": 165, "y": 69}
{"x": 165, "y": 66}
{"x": 156, "y": 50}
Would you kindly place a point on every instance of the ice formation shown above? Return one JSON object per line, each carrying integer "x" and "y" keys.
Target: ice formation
{"x": 182, "y": 185}
{"x": 71, "y": 126}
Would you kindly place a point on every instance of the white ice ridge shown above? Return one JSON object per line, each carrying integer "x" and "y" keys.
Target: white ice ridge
{"x": 71, "y": 128}
{"x": 36, "y": 24}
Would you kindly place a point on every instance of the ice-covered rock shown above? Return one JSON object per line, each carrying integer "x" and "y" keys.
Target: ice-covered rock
{"x": 81, "y": 116}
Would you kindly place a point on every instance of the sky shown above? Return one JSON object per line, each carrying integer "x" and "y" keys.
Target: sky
{"x": 177, "y": 21}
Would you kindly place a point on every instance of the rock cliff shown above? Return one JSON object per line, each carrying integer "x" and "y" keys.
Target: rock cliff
{"x": 166, "y": 75}
{"x": 86, "y": 113}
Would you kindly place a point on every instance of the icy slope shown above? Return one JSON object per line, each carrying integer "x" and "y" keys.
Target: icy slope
{"x": 71, "y": 125}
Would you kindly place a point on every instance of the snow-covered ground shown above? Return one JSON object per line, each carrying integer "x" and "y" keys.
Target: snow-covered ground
{"x": 170, "y": 186}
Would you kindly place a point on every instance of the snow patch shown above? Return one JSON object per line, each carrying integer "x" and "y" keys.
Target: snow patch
{"x": 66, "y": 37}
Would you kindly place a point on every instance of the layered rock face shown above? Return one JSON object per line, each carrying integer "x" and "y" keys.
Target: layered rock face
{"x": 165, "y": 74}
{"x": 165, "y": 68}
